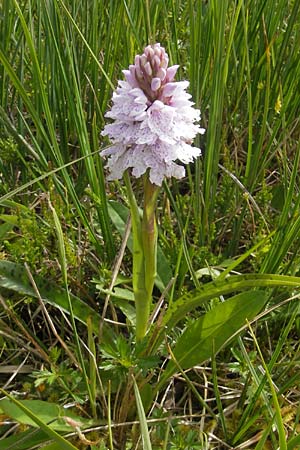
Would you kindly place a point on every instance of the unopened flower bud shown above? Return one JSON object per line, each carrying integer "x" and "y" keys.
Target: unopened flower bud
{"x": 132, "y": 69}
{"x": 138, "y": 73}
{"x": 143, "y": 60}
{"x": 157, "y": 51}
{"x": 155, "y": 84}
{"x": 148, "y": 69}
{"x": 150, "y": 52}
{"x": 155, "y": 63}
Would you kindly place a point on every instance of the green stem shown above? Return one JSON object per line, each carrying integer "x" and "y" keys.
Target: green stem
{"x": 149, "y": 237}
{"x": 138, "y": 268}
{"x": 144, "y": 236}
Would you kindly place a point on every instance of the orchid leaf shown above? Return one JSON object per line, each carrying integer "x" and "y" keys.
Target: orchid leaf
{"x": 206, "y": 335}
{"x": 14, "y": 277}
{"x": 209, "y": 291}
{"x": 50, "y": 413}
{"x": 25, "y": 410}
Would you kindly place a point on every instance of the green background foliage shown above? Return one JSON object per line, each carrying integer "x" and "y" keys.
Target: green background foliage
{"x": 231, "y": 225}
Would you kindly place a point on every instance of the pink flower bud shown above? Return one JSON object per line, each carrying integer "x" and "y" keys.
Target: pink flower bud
{"x": 143, "y": 60}
{"x": 148, "y": 69}
{"x": 138, "y": 73}
{"x": 157, "y": 51}
{"x": 132, "y": 69}
{"x": 155, "y": 84}
{"x": 155, "y": 63}
{"x": 150, "y": 52}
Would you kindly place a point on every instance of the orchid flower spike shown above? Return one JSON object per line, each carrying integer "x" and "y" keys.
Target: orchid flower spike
{"x": 154, "y": 122}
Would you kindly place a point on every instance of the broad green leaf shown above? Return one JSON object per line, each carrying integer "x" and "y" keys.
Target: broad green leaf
{"x": 14, "y": 277}
{"x": 214, "y": 289}
{"x": 64, "y": 444}
{"x": 206, "y": 335}
{"x": 50, "y": 413}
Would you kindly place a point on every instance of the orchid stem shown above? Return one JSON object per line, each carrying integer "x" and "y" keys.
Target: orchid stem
{"x": 144, "y": 235}
{"x": 149, "y": 234}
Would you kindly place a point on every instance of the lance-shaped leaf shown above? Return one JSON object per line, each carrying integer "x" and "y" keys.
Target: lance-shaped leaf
{"x": 14, "y": 277}
{"x": 188, "y": 302}
{"x": 206, "y": 335}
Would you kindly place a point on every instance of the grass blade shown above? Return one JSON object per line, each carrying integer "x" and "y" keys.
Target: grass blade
{"x": 142, "y": 418}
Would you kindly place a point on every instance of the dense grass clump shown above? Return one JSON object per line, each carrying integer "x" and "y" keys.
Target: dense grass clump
{"x": 219, "y": 365}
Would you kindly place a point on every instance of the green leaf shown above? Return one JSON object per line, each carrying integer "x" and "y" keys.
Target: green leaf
{"x": 146, "y": 394}
{"x": 206, "y": 335}
{"x": 24, "y": 440}
{"x": 127, "y": 309}
{"x": 294, "y": 442}
{"x": 209, "y": 291}
{"x": 14, "y": 220}
{"x": 64, "y": 444}
{"x": 119, "y": 293}
{"x": 14, "y": 277}
{"x": 4, "y": 229}
{"x": 142, "y": 418}
{"x": 52, "y": 446}
{"x": 50, "y": 413}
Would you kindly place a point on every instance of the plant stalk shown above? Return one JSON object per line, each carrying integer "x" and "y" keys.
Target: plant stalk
{"x": 144, "y": 233}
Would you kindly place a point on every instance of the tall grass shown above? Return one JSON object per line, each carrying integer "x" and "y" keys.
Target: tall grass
{"x": 60, "y": 60}
{"x": 237, "y": 209}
